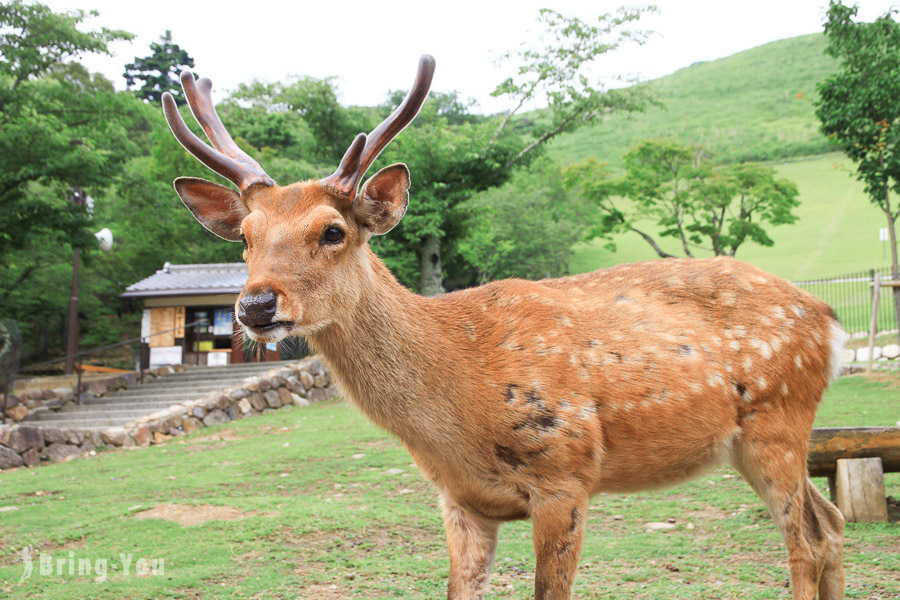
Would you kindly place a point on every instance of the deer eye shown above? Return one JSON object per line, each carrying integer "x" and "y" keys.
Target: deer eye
{"x": 332, "y": 235}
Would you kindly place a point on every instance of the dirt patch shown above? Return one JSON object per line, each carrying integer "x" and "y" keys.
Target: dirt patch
{"x": 187, "y": 514}
{"x": 224, "y": 435}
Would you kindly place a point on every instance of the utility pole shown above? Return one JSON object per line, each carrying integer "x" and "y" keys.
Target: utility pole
{"x": 77, "y": 198}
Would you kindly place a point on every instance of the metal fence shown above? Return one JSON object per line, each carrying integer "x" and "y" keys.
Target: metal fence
{"x": 851, "y": 298}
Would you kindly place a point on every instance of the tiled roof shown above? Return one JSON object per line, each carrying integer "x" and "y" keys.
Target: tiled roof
{"x": 195, "y": 280}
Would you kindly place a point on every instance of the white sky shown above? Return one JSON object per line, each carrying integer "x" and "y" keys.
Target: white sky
{"x": 374, "y": 46}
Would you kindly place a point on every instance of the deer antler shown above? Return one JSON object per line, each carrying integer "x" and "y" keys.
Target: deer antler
{"x": 225, "y": 158}
{"x": 365, "y": 149}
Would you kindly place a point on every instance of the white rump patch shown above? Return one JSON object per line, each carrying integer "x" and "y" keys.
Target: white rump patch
{"x": 838, "y": 338}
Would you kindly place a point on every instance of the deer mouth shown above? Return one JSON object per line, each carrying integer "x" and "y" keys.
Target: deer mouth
{"x": 268, "y": 332}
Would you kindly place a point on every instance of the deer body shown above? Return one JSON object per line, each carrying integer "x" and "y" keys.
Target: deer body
{"x": 522, "y": 399}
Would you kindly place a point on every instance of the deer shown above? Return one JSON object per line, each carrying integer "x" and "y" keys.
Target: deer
{"x": 524, "y": 399}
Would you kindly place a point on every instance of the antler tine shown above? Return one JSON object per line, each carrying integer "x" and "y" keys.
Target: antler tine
{"x": 365, "y": 149}
{"x": 225, "y": 158}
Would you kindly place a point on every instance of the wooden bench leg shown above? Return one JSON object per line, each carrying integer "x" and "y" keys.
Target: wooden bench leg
{"x": 859, "y": 483}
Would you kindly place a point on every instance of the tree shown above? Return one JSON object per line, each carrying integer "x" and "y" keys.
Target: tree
{"x": 159, "y": 72}
{"x": 859, "y": 110}
{"x": 454, "y": 154}
{"x": 525, "y": 228}
{"x": 704, "y": 206}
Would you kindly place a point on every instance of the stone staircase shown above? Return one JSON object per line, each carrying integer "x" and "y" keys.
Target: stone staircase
{"x": 122, "y": 407}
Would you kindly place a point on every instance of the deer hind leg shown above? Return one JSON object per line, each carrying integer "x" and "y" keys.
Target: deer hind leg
{"x": 472, "y": 540}
{"x": 811, "y": 526}
{"x": 558, "y": 535}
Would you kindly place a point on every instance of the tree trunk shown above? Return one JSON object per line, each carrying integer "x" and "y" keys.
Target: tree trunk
{"x": 895, "y": 266}
{"x": 431, "y": 276}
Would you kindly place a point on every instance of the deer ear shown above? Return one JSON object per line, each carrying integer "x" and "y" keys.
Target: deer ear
{"x": 217, "y": 207}
{"x": 383, "y": 199}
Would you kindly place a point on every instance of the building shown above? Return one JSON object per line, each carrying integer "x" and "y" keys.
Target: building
{"x": 188, "y": 317}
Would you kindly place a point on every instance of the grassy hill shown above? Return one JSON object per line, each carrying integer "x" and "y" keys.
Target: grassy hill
{"x": 745, "y": 107}
{"x": 742, "y": 107}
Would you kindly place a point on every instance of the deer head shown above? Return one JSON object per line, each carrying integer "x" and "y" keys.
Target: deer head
{"x": 305, "y": 244}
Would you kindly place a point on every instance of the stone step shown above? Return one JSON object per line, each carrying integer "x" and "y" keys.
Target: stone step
{"x": 139, "y": 400}
{"x": 95, "y": 414}
{"x": 146, "y": 392}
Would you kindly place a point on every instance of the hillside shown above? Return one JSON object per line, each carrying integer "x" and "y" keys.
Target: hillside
{"x": 742, "y": 107}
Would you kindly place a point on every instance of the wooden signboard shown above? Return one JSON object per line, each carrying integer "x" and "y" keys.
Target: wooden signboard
{"x": 162, "y": 319}
{"x": 179, "y": 322}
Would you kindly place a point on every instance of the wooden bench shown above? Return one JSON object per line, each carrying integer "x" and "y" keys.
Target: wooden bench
{"x": 854, "y": 459}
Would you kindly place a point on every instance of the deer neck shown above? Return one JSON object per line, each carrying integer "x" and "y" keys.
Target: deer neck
{"x": 385, "y": 353}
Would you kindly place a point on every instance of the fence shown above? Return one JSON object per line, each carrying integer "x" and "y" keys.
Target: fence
{"x": 851, "y": 298}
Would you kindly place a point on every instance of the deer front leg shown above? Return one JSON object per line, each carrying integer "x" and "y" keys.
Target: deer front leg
{"x": 472, "y": 540}
{"x": 558, "y": 534}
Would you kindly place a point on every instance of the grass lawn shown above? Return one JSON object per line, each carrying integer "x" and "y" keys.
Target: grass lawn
{"x": 331, "y": 507}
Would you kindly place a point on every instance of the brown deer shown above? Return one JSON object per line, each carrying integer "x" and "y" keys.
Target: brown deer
{"x": 522, "y": 399}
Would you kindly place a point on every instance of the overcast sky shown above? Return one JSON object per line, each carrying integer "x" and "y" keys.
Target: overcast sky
{"x": 373, "y": 46}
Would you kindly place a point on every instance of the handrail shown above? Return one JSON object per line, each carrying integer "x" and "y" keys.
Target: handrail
{"x": 110, "y": 346}
{"x": 80, "y": 355}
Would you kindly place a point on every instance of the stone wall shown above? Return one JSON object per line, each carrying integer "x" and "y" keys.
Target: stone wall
{"x": 299, "y": 384}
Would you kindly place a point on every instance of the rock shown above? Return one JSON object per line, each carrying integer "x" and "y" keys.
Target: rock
{"x": 286, "y": 372}
{"x": 244, "y": 406}
{"x": 258, "y": 401}
{"x": 159, "y": 437}
{"x": 862, "y": 354}
{"x": 52, "y": 435}
{"x": 198, "y": 412}
{"x": 62, "y": 452}
{"x": 64, "y": 393}
{"x": 117, "y": 436}
{"x": 17, "y": 413}
{"x": 307, "y": 380}
{"x": 54, "y": 404}
{"x": 31, "y": 457}
{"x": 252, "y": 384}
{"x": 9, "y": 459}
{"x": 315, "y": 367}
{"x": 238, "y": 393}
{"x": 277, "y": 381}
{"x": 223, "y": 402}
{"x": 142, "y": 435}
{"x": 659, "y": 526}
{"x": 4, "y": 435}
{"x": 98, "y": 388}
{"x": 285, "y": 395}
{"x": 264, "y": 385}
{"x": 23, "y": 438}
{"x": 316, "y": 395}
{"x": 299, "y": 400}
{"x": 332, "y": 392}
{"x": 34, "y": 394}
{"x": 73, "y": 436}
{"x": 891, "y": 351}
{"x": 321, "y": 381}
{"x": 11, "y": 401}
{"x": 215, "y": 417}
{"x": 167, "y": 370}
{"x": 295, "y": 385}
{"x": 232, "y": 412}
{"x": 848, "y": 355}
{"x": 273, "y": 400}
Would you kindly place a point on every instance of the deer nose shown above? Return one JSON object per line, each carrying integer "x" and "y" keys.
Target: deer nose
{"x": 257, "y": 310}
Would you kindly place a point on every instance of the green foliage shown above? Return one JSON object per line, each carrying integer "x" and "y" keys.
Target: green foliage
{"x": 525, "y": 228}
{"x": 858, "y": 107}
{"x": 159, "y": 71}
{"x": 558, "y": 74}
{"x": 752, "y": 106}
{"x": 704, "y": 206}
{"x": 33, "y": 39}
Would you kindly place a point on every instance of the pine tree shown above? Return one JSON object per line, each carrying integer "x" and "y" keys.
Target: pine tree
{"x": 158, "y": 72}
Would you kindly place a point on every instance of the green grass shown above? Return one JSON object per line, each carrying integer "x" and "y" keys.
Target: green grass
{"x": 837, "y": 231}
{"x": 321, "y": 521}
{"x": 742, "y": 107}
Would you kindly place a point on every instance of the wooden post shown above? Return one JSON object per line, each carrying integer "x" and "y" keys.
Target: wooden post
{"x": 876, "y": 295}
{"x": 860, "y": 489}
